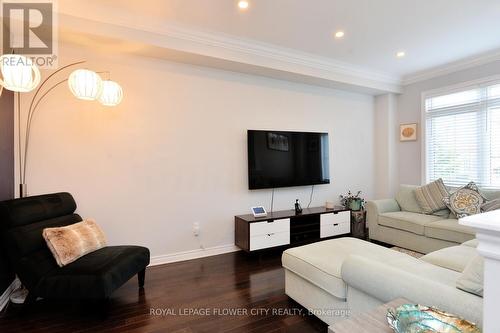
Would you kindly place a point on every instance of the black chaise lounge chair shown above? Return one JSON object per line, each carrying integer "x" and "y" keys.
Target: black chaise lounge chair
{"x": 92, "y": 277}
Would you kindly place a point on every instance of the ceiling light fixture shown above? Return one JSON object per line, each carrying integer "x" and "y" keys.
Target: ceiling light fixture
{"x": 243, "y": 4}
{"x": 400, "y": 54}
{"x": 339, "y": 34}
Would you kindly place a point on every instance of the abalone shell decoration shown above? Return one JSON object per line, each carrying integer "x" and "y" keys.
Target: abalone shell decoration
{"x": 415, "y": 318}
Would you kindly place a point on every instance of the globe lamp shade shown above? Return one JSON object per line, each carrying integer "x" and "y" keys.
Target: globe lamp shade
{"x": 111, "y": 93}
{"x": 85, "y": 84}
{"x": 19, "y": 74}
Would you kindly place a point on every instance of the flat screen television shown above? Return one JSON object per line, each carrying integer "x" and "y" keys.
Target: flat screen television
{"x": 284, "y": 159}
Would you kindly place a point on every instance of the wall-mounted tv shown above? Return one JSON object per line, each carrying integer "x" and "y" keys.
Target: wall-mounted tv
{"x": 283, "y": 159}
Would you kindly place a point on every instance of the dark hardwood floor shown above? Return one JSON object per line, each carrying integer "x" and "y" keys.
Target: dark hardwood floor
{"x": 229, "y": 282}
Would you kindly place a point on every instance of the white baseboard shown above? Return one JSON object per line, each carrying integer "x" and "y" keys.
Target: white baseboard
{"x": 4, "y": 299}
{"x": 192, "y": 254}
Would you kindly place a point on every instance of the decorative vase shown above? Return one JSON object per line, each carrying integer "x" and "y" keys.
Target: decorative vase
{"x": 355, "y": 204}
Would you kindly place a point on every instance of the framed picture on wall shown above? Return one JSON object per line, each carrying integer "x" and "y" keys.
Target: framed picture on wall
{"x": 408, "y": 132}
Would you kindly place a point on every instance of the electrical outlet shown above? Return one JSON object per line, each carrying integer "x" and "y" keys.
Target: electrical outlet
{"x": 196, "y": 229}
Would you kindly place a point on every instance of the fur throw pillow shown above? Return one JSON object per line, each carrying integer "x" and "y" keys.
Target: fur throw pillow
{"x": 71, "y": 242}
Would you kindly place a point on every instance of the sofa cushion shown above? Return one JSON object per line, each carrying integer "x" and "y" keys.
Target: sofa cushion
{"x": 465, "y": 201}
{"x": 472, "y": 279}
{"x": 321, "y": 263}
{"x": 455, "y": 257}
{"x": 430, "y": 196}
{"x": 407, "y": 221}
{"x": 449, "y": 230}
{"x": 407, "y": 200}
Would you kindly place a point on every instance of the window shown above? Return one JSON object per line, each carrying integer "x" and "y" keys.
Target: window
{"x": 462, "y": 136}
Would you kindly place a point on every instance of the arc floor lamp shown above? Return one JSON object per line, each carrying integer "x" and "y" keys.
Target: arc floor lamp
{"x": 20, "y": 75}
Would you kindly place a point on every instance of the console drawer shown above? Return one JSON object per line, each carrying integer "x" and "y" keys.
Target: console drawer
{"x": 331, "y": 218}
{"x": 336, "y": 229}
{"x": 264, "y": 228}
{"x": 268, "y": 240}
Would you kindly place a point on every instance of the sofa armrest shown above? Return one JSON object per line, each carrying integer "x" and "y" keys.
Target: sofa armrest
{"x": 387, "y": 283}
{"x": 383, "y": 206}
{"x": 376, "y": 207}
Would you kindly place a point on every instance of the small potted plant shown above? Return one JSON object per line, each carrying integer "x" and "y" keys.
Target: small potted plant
{"x": 352, "y": 201}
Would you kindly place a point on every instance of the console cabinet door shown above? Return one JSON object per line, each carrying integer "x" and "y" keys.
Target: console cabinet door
{"x": 335, "y": 224}
{"x": 266, "y": 227}
{"x": 269, "y": 234}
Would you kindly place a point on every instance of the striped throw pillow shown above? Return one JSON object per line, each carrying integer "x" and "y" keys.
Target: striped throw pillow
{"x": 430, "y": 196}
{"x": 69, "y": 243}
{"x": 490, "y": 205}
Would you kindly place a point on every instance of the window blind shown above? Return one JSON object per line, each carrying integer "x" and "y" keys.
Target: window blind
{"x": 462, "y": 139}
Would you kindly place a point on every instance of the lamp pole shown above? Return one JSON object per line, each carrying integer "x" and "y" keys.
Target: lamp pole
{"x": 22, "y": 187}
{"x": 23, "y": 153}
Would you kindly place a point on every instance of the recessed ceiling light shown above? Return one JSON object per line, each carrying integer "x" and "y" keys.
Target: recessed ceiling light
{"x": 400, "y": 54}
{"x": 339, "y": 34}
{"x": 243, "y": 4}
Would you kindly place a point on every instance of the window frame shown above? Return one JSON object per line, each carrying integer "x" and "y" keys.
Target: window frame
{"x": 445, "y": 90}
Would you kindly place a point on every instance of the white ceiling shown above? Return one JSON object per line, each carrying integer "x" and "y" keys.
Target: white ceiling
{"x": 432, "y": 32}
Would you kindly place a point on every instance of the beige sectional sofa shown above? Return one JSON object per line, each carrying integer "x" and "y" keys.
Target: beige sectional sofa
{"x": 344, "y": 276}
{"x": 399, "y": 222}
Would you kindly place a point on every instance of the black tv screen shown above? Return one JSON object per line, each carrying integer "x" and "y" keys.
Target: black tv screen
{"x": 282, "y": 159}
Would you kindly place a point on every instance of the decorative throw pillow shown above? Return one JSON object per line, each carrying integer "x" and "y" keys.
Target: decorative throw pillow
{"x": 488, "y": 206}
{"x": 465, "y": 201}
{"x": 472, "y": 277}
{"x": 69, "y": 243}
{"x": 430, "y": 196}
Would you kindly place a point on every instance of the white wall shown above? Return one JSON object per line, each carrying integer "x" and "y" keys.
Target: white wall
{"x": 409, "y": 111}
{"x": 174, "y": 152}
{"x": 386, "y": 173}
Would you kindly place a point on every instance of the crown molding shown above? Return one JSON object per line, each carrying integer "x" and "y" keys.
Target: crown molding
{"x": 223, "y": 47}
{"x": 452, "y": 67}
{"x": 257, "y": 48}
